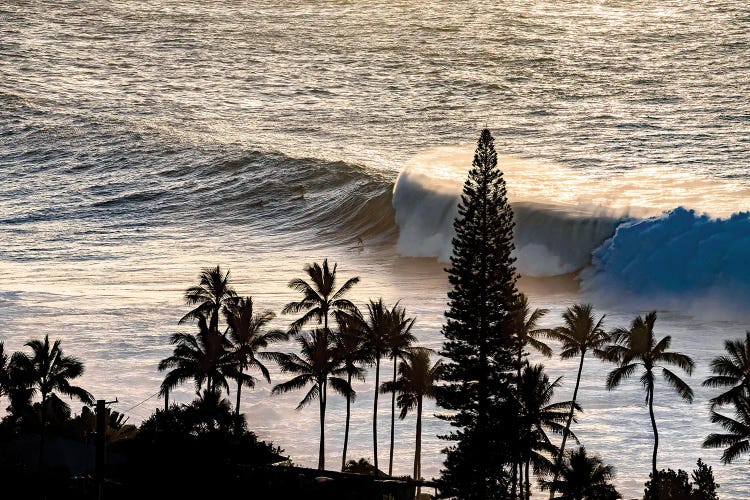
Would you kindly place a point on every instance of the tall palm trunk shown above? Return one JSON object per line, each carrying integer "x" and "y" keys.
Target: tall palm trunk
{"x": 322, "y": 451}
{"x": 418, "y": 448}
{"x": 348, "y": 414}
{"x": 393, "y": 418}
{"x": 375, "y": 414}
{"x": 653, "y": 424}
{"x": 567, "y": 427}
{"x": 528, "y": 481}
{"x": 239, "y": 393}
{"x": 518, "y": 467}
{"x": 43, "y": 432}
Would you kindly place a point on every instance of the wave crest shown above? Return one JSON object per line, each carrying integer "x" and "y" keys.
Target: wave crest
{"x": 670, "y": 259}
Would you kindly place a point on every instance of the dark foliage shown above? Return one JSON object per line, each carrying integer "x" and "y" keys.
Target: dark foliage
{"x": 479, "y": 329}
{"x": 704, "y": 485}
{"x": 362, "y": 466}
{"x": 671, "y": 485}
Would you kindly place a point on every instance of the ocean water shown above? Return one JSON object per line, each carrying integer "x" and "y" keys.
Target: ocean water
{"x": 141, "y": 141}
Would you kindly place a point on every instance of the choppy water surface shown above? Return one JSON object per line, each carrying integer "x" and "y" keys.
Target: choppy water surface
{"x": 140, "y": 141}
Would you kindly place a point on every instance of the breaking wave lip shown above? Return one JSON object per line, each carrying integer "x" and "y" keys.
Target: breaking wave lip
{"x": 680, "y": 259}
{"x": 550, "y": 240}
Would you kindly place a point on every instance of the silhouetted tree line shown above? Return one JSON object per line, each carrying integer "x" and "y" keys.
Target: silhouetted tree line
{"x": 501, "y": 407}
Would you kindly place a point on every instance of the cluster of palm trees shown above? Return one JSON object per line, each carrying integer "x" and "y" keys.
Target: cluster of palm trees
{"x": 636, "y": 350}
{"x": 732, "y": 371}
{"x": 340, "y": 341}
{"x": 46, "y": 371}
{"x": 633, "y": 350}
{"x": 337, "y": 341}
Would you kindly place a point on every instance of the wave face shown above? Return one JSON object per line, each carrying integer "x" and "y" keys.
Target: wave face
{"x": 549, "y": 240}
{"x": 663, "y": 259}
{"x": 680, "y": 258}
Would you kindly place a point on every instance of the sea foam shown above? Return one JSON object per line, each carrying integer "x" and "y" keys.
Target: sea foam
{"x": 629, "y": 249}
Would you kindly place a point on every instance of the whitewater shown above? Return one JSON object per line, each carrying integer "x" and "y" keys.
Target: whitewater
{"x": 653, "y": 238}
{"x": 142, "y": 141}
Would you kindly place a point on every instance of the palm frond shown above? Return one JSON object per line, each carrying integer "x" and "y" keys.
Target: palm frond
{"x": 621, "y": 372}
{"x": 679, "y": 385}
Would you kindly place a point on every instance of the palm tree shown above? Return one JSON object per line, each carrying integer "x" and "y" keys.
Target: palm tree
{"x": 737, "y": 440}
{"x": 208, "y": 297}
{"x": 248, "y": 335}
{"x": 417, "y": 380}
{"x": 638, "y": 347}
{"x": 350, "y": 350}
{"x": 584, "y": 477}
{"x": 526, "y": 332}
{"x": 319, "y": 366}
{"x": 49, "y": 371}
{"x": 203, "y": 357}
{"x": 525, "y": 327}
{"x": 537, "y": 417}
{"x": 580, "y": 333}
{"x": 376, "y": 329}
{"x": 731, "y": 370}
{"x": 399, "y": 342}
{"x": 319, "y": 296}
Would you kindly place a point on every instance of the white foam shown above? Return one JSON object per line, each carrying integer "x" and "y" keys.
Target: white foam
{"x": 623, "y": 231}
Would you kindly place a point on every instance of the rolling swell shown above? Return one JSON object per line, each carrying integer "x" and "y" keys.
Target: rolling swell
{"x": 86, "y": 172}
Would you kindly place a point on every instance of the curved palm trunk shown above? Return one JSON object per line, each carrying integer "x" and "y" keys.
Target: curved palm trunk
{"x": 567, "y": 427}
{"x": 393, "y": 419}
{"x": 322, "y": 451}
{"x": 418, "y": 448}
{"x": 346, "y": 428}
{"x": 653, "y": 425}
{"x": 375, "y": 414}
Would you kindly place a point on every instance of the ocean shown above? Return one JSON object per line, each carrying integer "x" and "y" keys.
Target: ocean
{"x": 142, "y": 141}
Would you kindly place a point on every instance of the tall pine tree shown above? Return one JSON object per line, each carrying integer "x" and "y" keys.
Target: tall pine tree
{"x": 478, "y": 334}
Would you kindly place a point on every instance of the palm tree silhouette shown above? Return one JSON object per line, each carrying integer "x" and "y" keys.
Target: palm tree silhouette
{"x": 417, "y": 380}
{"x": 208, "y": 297}
{"x": 247, "y": 336}
{"x": 583, "y": 476}
{"x": 537, "y": 417}
{"x": 731, "y": 370}
{"x": 319, "y": 296}
{"x": 317, "y": 365}
{"x": 638, "y": 347}
{"x": 351, "y": 351}
{"x": 525, "y": 324}
{"x": 204, "y": 357}
{"x": 399, "y": 342}
{"x": 49, "y": 371}
{"x": 737, "y": 440}
{"x": 525, "y": 327}
{"x": 376, "y": 329}
{"x": 580, "y": 333}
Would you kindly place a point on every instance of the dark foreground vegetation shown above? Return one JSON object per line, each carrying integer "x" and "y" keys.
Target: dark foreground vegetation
{"x": 512, "y": 435}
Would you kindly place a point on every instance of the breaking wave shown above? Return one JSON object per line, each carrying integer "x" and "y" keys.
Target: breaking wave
{"x": 671, "y": 257}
